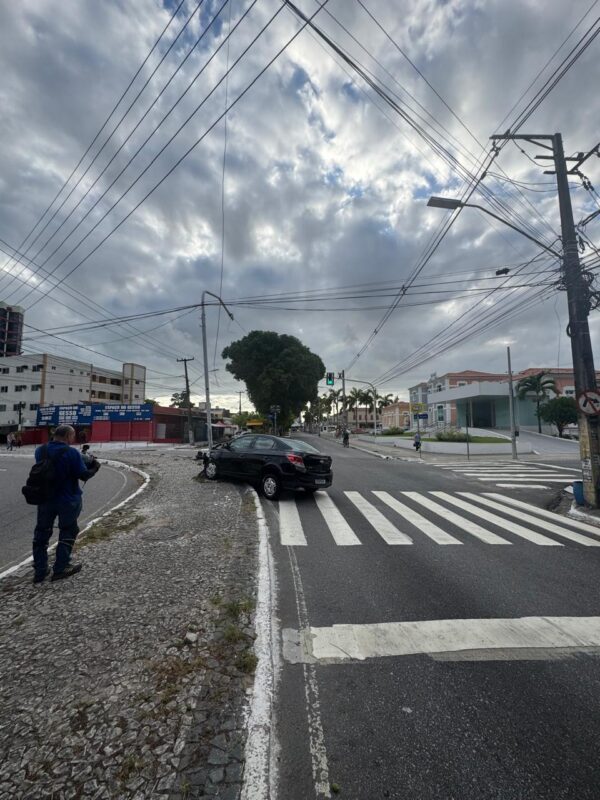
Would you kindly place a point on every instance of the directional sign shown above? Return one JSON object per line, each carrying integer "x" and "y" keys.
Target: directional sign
{"x": 423, "y": 416}
{"x": 589, "y": 403}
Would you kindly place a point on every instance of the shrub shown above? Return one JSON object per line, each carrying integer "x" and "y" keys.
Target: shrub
{"x": 393, "y": 432}
{"x": 452, "y": 436}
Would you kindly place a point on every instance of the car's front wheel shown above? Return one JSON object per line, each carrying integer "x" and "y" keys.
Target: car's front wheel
{"x": 271, "y": 486}
{"x": 211, "y": 470}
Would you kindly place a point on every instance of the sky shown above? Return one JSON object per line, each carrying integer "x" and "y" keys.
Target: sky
{"x": 294, "y": 192}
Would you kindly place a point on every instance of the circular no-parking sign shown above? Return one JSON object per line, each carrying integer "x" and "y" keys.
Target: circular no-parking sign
{"x": 589, "y": 403}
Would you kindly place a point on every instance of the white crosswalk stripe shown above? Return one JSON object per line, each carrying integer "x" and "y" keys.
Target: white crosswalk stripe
{"x": 461, "y": 522}
{"x": 513, "y": 475}
{"x": 388, "y": 532}
{"x": 340, "y": 530}
{"x": 464, "y": 511}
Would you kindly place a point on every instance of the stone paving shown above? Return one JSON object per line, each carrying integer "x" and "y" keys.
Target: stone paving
{"x": 131, "y": 679}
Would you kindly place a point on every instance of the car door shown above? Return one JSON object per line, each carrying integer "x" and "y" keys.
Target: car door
{"x": 233, "y": 460}
{"x": 261, "y": 453}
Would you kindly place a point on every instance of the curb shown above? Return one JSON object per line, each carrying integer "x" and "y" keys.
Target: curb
{"x": 575, "y": 513}
{"x": 110, "y": 463}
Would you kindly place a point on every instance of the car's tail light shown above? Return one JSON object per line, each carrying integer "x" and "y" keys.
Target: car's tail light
{"x": 296, "y": 460}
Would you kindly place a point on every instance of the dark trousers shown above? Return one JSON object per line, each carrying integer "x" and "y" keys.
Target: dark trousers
{"x": 67, "y": 513}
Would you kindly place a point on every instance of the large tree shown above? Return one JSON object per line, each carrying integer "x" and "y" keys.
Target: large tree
{"x": 277, "y": 370}
{"x": 560, "y": 411}
{"x": 538, "y": 387}
{"x": 180, "y": 400}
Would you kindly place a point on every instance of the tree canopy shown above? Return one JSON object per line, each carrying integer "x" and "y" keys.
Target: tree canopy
{"x": 538, "y": 387}
{"x": 559, "y": 411}
{"x": 180, "y": 400}
{"x": 277, "y": 370}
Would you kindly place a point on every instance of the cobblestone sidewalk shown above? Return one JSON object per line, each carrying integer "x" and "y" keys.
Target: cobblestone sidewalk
{"x": 130, "y": 679}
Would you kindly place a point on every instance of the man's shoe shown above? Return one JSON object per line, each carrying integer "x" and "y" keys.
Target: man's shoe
{"x": 41, "y": 577}
{"x": 70, "y": 569}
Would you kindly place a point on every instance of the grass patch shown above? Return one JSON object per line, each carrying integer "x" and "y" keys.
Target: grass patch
{"x": 129, "y": 768}
{"x": 233, "y": 634}
{"x": 234, "y": 608}
{"x": 246, "y": 662}
{"x": 108, "y": 527}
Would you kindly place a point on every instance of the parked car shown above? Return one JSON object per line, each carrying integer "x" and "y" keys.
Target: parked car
{"x": 270, "y": 462}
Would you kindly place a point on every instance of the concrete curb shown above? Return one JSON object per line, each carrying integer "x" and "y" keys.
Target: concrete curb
{"x": 110, "y": 463}
{"x": 575, "y": 513}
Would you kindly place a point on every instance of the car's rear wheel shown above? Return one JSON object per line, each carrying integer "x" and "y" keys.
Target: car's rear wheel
{"x": 271, "y": 486}
{"x": 211, "y": 470}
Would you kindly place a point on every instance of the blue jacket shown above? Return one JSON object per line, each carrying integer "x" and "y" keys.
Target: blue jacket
{"x": 70, "y": 469}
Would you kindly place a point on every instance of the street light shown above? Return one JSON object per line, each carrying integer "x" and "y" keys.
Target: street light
{"x": 451, "y": 204}
{"x": 204, "y": 350}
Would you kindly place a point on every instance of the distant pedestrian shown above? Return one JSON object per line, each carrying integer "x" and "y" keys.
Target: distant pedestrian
{"x": 67, "y": 469}
{"x": 18, "y": 440}
{"x": 417, "y": 442}
{"x": 10, "y": 441}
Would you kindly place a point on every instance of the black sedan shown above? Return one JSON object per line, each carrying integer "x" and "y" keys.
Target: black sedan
{"x": 270, "y": 462}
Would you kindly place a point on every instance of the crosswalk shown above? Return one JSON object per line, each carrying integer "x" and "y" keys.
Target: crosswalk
{"x": 408, "y": 518}
{"x": 514, "y": 474}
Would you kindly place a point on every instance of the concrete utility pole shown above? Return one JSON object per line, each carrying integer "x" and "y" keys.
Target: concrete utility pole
{"x": 189, "y": 399}
{"x": 240, "y": 394}
{"x": 205, "y": 353}
{"x": 578, "y": 300}
{"x": 511, "y": 408}
{"x": 342, "y": 375}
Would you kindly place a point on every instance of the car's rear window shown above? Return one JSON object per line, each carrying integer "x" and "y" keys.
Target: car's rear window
{"x": 296, "y": 444}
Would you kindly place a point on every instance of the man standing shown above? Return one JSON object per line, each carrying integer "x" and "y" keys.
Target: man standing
{"x": 65, "y": 503}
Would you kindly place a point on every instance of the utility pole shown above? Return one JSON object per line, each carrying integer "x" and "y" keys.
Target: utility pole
{"x": 240, "y": 394}
{"x": 511, "y": 408}
{"x": 205, "y": 353}
{"x": 342, "y": 375}
{"x": 189, "y": 399}
{"x": 578, "y": 300}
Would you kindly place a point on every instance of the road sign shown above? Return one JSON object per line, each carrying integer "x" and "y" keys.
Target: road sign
{"x": 423, "y": 416}
{"x": 276, "y": 409}
{"x": 589, "y": 403}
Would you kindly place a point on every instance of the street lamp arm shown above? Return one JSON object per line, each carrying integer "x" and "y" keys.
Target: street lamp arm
{"x": 216, "y": 296}
{"x": 514, "y": 227}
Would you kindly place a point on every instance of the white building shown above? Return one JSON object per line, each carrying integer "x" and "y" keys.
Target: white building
{"x": 30, "y": 381}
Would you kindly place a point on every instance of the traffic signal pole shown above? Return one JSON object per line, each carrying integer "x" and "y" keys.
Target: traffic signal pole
{"x": 578, "y": 300}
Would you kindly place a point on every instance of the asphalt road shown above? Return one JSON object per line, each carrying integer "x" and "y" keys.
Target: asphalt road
{"x": 434, "y": 721}
{"x": 17, "y": 519}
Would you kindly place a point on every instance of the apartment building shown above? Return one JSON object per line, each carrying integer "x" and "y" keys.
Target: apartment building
{"x": 396, "y": 415}
{"x": 11, "y": 329}
{"x": 30, "y": 381}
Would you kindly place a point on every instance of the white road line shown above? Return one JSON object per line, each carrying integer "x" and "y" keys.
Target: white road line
{"x": 426, "y": 526}
{"x": 388, "y": 532}
{"x": 521, "y": 486}
{"x": 291, "y": 532}
{"x": 549, "y": 527}
{"x": 464, "y": 524}
{"x": 580, "y": 526}
{"x": 501, "y": 522}
{"x": 376, "y": 640}
{"x": 522, "y": 480}
{"x": 528, "y": 475}
{"x": 340, "y": 530}
{"x": 566, "y": 469}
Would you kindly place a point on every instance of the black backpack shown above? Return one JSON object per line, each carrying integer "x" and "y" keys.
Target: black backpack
{"x": 40, "y": 483}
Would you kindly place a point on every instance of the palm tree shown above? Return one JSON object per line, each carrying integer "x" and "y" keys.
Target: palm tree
{"x": 353, "y": 401}
{"x": 334, "y": 399}
{"x": 540, "y": 386}
{"x": 383, "y": 401}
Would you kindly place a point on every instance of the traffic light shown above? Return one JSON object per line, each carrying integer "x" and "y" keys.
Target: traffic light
{"x": 330, "y": 379}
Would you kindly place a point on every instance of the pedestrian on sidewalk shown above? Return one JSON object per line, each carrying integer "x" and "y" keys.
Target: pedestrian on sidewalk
{"x": 10, "y": 441}
{"x": 417, "y": 441}
{"x": 65, "y": 503}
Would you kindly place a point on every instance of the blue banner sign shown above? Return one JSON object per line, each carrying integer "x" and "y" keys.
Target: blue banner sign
{"x": 86, "y": 413}
{"x": 423, "y": 416}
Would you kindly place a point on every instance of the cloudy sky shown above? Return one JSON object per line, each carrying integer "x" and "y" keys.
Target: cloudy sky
{"x": 307, "y": 214}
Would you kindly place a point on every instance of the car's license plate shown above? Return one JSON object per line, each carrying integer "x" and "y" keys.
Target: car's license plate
{"x": 320, "y": 481}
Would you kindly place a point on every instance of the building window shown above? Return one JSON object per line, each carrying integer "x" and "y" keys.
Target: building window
{"x": 81, "y": 390}
{"x": 21, "y": 369}
{"x": 94, "y": 377}
{"x": 440, "y": 413}
{"x": 17, "y": 406}
{"x": 4, "y": 389}
{"x": 20, "y": 388}
{"x": 34, "y": 406}
{"x": 5, "y": 370}
{"x": 52, "y": 386}
{"x": 137, "y": 383}
{"x": 439, "y": 387}
{"x": 2, "y": 408}
{"x": 53, "y": 367}
{"x": 93, "y": 393}
{"x": 136, "y": 397}
{"x": 35, "y": 387}
{"x": 37, "y": 368}
{"x": 70, "y": 388}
